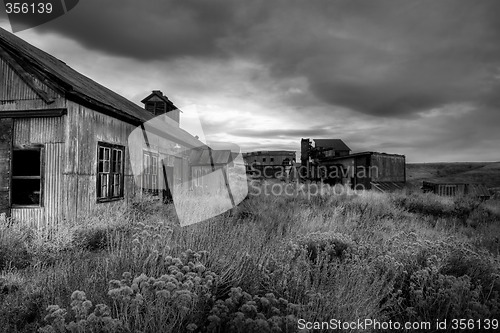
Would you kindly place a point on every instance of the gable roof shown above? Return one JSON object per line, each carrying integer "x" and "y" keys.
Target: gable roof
{"x": 29, "y": 60}
{"x": 158, "y": 94}
{"x": 72, "y": 84}
{"x": 336, "y": 144}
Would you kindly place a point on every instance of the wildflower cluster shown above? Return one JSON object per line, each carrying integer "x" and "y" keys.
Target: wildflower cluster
{"x": 165, "y": 301}
{"x": 86, "y": 320}
{"x": 143, "y": 303}
{"x": 241, "y": 312}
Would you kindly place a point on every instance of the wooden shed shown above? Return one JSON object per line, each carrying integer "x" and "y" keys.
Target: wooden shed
{"x": 63, "y": 140}
{"x": 452, "y": 189}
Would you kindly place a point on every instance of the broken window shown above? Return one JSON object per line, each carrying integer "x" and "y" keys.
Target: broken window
{"x": 109, "y": 171}
{"x": 27, "y": 186}
{"x": 150, "y": 173}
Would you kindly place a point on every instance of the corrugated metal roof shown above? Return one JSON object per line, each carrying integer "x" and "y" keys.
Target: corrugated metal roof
{"x": 336, "y": 144}
{"x": 209, "y": 156}
{"x": 69, "y": 81}
{"x": 83, "y": 90}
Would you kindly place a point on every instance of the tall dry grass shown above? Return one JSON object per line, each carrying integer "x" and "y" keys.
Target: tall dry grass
{"x": 348, "y": 256}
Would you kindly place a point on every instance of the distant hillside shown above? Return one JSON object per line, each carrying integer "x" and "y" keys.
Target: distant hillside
{"x": 487, "y": 173}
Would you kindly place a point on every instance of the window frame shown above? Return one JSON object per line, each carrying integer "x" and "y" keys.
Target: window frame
{"x": 41, "y": 149}
{"x": 151, "y": 156}
{"x": 111, "y": 174}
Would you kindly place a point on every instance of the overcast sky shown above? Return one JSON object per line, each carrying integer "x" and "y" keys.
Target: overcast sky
{"x": 419, "y": 78}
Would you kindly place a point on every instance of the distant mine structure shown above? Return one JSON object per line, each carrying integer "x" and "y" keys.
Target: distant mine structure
{"x": 331, "y": 161}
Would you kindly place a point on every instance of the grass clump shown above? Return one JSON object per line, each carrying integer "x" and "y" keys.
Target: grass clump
{"x": 14, "y": 251}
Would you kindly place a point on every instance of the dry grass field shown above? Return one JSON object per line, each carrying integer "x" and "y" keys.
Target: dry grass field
{"x": 261, "y": 267}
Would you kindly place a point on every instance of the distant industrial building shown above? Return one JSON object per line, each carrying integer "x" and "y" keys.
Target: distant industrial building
{"x": 330, "y": 160}
{"x": 269, "y": 157}
{"x": 269, "y": 163}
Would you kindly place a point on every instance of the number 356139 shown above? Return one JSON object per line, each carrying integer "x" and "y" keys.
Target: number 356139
{"x": 28, "y": 8}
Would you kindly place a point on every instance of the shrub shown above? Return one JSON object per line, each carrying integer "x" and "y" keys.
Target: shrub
{"x": 334, "y": 244}
{"x": 479, "y": 268}
{"x": 13, "y": 248}
{"x": 90, "y": 238}
{"x": 242, "y": 312}
{"x": 425, "y": 203}
{"x": 439, "y": 283}
{"x": 21, "y": 313}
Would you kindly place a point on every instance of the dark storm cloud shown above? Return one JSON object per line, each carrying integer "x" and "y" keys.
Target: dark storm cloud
{"x": 384, "y": 58}
{"x": 148, "y": 30}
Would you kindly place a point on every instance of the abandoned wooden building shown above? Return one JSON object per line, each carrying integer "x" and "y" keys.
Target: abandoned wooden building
{"x": 330, "y": 160}
{"x": 64, "y": 140}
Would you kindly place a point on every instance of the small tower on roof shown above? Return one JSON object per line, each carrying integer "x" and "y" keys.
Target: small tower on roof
{"x": 159, "y": 104}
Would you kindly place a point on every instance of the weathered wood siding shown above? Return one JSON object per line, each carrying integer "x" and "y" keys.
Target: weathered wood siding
{"x": 363, "y": 173}
{"x": 15, "y": 94}
{"x": 6, "y": 126}
{"x": 388, "y": 168}
{"x": 85, "y": 128}
{"x": 40, "y": 130}
{"x": 48, "y": 132}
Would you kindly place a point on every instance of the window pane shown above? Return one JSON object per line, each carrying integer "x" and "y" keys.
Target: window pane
{"x": 106, "y": 154}
{"x": 105, "y": 167}
{"x": 104, "y": 185}
{"x": 26, "y": 162}
{"x": 113, "y": 160}
{"x": 147, "y": 163}
{"x": 116, "y": 186}
{"x": 26, "y": 191}
{"x": 155, "y": 183}
{"x": 119, "y": 161}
